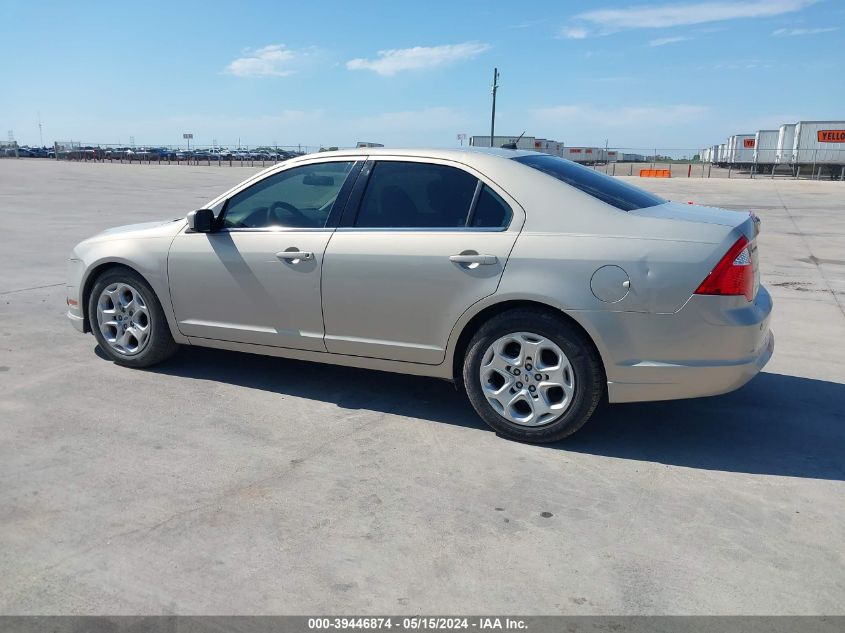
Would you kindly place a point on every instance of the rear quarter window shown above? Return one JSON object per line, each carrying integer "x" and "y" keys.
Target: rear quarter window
{"x": 606, "y": 188}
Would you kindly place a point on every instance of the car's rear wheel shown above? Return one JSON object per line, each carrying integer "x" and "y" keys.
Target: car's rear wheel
{"x": 532, "y": 376}
{"x": 127, "y": 320}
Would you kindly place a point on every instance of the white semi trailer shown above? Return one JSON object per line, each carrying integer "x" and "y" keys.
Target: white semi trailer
{"x": 742, "y": 149}
{"x": 819, "y": 143}
{"x": 786, "y": 138}
{"x": 765, "y": 149}
{"x": 525, "y": 142}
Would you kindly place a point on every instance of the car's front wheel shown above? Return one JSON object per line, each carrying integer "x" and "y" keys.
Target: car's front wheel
{"x": 532, "y": 376}
{"x": 128, "y": 321}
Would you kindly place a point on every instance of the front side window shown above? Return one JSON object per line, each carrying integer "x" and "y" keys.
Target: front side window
{"x": 606, "y": 188}
{"x": 301, "y": 197}
{"x": 416, "y": 195}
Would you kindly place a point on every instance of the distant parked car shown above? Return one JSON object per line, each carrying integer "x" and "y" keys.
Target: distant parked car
{"x": 539, "y": 286}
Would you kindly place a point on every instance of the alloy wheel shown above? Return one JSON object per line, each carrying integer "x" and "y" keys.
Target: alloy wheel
{"x": 124, "y": 318}
{"x": 527, "y": 379}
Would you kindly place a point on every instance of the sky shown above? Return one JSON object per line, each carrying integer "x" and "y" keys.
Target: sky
{"x": 639, "y": 75}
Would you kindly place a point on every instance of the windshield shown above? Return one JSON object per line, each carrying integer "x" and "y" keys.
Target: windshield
{"x": 606, "y": 188}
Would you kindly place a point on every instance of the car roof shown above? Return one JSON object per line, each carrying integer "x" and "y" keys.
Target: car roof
{"x": 463, "y": 155}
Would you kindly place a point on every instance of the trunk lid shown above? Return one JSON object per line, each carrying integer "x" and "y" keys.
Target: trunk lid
{"x": 745, "y": 221}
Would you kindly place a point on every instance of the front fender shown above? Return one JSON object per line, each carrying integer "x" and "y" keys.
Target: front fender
{"x": 147, "y": 257}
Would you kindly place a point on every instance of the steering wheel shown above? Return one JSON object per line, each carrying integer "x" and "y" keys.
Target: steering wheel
{"x": 272, "y": 212}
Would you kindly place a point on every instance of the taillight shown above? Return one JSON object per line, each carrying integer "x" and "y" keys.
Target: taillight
{"x": 733, "y": 275}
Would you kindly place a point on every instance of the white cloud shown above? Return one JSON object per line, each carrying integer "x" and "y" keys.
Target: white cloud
{"x": 606, "y": 21}
{"x": 641, "y": 128}
{"x": 275, "y": 60}
{"x": 434, "y": 118}
{"x": 662, "y": 41}
{"x": 434, "y": 125}
{"x": 741, "y": 64}
{"x": 793, "y": 32}
{"x": 389, "y": 62}
{"x": 621, "y": 117}
{"x": 574, "y": 32}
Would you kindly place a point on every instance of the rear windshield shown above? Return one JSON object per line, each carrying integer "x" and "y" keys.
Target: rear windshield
{"x": 606, "y": 188}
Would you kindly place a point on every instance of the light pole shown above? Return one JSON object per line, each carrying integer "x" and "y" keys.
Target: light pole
{"x": 493, "y": 113}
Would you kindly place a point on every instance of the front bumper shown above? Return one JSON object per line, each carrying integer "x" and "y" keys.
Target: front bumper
{"x": 75, "y": 269}
{"x": 76, "y": 321}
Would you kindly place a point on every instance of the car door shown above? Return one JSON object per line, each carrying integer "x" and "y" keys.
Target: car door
{"x": 425, "y": 241}
{"x": 256, "y": 278}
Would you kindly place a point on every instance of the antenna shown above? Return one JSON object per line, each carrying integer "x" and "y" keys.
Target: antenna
{"x": 513, "y": 144}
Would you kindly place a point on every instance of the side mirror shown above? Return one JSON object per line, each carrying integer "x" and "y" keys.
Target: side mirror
{"x": 201, "y": 220}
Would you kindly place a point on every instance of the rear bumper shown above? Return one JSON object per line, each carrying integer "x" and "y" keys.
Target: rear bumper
{"x": 711, "y": 346}
{"x": 672, "y": 381}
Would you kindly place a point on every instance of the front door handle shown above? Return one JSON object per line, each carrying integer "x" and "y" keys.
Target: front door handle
{"x": 295, "y": 256}
{"x": 484, "y": 260}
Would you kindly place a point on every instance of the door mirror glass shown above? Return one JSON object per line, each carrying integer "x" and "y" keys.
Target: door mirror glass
{"x": 201, "y": 220}
{"x": 316, "y": 180}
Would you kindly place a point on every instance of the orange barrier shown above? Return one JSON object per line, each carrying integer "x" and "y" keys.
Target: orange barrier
{"x": 655, "y": 173}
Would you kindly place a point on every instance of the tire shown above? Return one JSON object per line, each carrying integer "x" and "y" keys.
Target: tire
{"x": 149, "y": 340}
{"x": 579, "y": 374}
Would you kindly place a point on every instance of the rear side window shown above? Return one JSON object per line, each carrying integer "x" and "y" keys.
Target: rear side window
{"x": 490, "y": 210}
{"x": 416, "y": 195}
{"x": 606, "y": 188}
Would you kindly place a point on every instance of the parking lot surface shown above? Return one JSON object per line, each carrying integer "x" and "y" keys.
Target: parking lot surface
{"x": 224, "y": 483}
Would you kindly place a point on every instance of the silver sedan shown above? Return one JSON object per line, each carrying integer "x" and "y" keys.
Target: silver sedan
{"x": 538, "y": 286}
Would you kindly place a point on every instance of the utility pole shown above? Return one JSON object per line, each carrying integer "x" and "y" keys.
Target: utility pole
{"x": 493, "y": 114}
{"x": 40, "y": 132}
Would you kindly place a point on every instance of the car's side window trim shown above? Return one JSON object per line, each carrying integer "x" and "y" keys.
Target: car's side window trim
{"x": 343, "y": 195}
{"x": 353, "y": 206}
{"x": 475, "y": 201}
{"x": 478, "y": 187}
{"x": 331, "y": 221}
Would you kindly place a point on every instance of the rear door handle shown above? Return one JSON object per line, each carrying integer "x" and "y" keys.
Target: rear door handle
{"x": 484, "y": 260}
{"x": 292, "y": 256}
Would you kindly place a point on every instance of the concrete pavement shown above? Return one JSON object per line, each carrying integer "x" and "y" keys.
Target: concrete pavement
{"x": 224, "y": 483}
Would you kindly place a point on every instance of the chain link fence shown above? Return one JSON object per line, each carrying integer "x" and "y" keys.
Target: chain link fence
{"x": 692, "y": 163}
{"x": 614, "y": 161}
{"x": 164, "y": 154}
